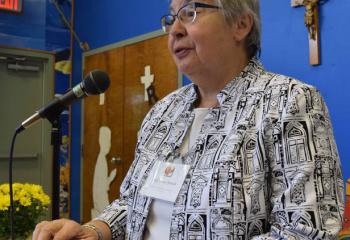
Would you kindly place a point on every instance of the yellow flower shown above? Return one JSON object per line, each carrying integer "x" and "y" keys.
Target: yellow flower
{"x": 17, "y": 187}
{"x": 25, "y": 201}
{"x": 4, "y": 189}
{"x": 38, "y": 194}
{"x": 4, "y": 202}
{"x": 25, "y": 195}
{"x": 35, "y": 188}
{"x": 30, "y": 202}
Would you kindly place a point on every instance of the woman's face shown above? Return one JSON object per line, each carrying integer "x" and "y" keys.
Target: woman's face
{"x": 203, "y": 45}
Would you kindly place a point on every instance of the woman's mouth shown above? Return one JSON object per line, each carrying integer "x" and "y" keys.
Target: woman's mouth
{"x": 182, "y": 52}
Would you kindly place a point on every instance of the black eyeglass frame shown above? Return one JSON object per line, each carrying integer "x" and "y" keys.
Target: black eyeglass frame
{"x": 173, "y": 17}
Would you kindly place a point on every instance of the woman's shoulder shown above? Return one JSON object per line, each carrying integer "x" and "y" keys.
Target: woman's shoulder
{"x": 277, "y": 80}
{"x": 290, "y": 95}
{"x": 182, "y": 94}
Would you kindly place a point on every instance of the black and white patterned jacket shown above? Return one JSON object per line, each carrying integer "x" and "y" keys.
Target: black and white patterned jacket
{"x": 265, "y": 164}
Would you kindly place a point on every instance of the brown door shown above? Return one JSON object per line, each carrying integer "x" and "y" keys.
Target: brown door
{"x": 123, "y": 109}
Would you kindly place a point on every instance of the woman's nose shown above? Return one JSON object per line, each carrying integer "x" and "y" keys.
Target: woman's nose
{"x": 177, "y": 30}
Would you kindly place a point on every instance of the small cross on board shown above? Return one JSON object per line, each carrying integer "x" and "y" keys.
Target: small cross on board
{"x": 147, "y": 80}
{"x": 311, "y": 23}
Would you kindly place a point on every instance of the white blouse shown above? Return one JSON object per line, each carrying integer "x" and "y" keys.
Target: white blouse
{"x": 159, "y": 217}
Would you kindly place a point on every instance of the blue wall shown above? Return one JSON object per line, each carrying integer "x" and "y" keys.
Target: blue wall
{"x": 284, "y": 44}
{"x": 39, "y": 26}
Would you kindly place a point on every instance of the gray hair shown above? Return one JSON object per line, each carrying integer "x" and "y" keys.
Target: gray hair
{"x": 234, "y": 8}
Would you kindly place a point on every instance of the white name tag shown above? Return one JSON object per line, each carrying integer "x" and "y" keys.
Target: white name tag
{"x": 165, "y": 180}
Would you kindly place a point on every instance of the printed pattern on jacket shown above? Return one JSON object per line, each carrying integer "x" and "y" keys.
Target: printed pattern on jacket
{"x": 264, "y": 166}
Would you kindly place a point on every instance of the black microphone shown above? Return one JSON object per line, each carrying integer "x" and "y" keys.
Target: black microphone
{"x": 95, "y": 82}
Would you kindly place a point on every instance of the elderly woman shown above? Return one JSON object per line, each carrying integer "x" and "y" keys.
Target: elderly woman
{"x": 239, "y": 154}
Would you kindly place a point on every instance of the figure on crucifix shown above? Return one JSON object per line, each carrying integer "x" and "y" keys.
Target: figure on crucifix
{"x": 312, "y": 24}
{"x": 310, "y": 6}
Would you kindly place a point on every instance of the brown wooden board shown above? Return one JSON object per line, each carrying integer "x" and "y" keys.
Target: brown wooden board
{"x": 124, "y": 107}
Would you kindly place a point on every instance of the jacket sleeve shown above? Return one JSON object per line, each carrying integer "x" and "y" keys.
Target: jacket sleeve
{"x": 115, "y": 214}
{"x": 305, "y": 181}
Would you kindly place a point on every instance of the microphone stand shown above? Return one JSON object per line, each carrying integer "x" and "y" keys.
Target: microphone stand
{"x": 56, "y": 143}
{"x": 52, "y": 115}
{"x": 54, "y": 118}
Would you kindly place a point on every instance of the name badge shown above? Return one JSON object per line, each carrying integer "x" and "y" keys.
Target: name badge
{"x": 165, "y": 180}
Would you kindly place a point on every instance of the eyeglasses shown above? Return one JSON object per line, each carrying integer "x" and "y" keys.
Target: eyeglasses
{"x": 186, "y": 14}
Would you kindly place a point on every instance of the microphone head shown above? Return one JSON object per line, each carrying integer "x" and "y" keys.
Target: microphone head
{"x": 95, "y": 82}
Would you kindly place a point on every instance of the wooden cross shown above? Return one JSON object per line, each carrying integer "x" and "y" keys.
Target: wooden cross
{"x": 147, "y": 80}
{"x": 311, "y": 23}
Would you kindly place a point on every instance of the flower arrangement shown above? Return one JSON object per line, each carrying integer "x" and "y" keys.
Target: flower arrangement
{"x": 30, "y": 202}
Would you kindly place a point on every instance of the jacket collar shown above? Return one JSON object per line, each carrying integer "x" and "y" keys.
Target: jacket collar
{"x": 251, "y": 72}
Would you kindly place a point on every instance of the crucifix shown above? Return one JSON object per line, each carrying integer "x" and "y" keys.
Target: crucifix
{"x": 311, "y": 23}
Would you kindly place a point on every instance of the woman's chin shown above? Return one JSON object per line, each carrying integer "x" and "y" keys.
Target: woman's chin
{"x": 186, "y": 69}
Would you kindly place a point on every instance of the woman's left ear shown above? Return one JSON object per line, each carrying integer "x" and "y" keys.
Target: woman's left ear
{"x": 242, "y": 26}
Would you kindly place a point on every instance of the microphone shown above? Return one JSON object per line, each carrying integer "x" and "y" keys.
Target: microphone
{"x": 95, "y": 82}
